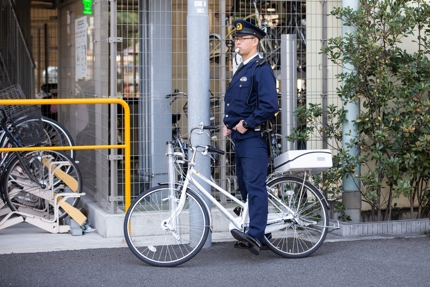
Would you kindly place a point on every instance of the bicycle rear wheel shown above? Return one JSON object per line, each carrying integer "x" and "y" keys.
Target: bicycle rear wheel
{"x": 300, "y": 234}
{"x": 152, "y": 241}
{"x": 270, "y": 47}
{"x": 58, "y": 135}
{"x": 24, "y": 194}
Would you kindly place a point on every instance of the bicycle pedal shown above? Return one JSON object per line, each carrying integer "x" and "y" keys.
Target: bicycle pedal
{"x": 238, "y": 210}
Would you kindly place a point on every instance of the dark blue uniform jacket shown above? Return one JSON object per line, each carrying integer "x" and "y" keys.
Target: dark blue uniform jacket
{"x": 237, "y": 104}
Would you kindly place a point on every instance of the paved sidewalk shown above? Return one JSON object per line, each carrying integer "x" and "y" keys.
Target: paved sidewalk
{"x": 25, "y": 238}
{"x": 360, "y": 263}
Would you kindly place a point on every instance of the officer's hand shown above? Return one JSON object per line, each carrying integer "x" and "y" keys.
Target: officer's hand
{"x": 225, "y": 131}
{"x": 239, "y": 127}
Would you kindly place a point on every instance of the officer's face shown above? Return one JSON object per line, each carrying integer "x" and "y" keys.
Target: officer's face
{"x": 247, "y": 45}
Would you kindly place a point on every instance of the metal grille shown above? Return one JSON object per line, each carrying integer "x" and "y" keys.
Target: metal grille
{"x": 44, "y": 35}
{"x": 16, "y": 60}
{"x": 137, "y": 50}
{"x": 153, "y": 73}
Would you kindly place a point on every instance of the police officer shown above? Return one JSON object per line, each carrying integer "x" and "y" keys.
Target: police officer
{"x": 250, "y": 100}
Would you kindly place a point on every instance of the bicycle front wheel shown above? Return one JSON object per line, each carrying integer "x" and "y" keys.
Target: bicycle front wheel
{"x": 159, "y": 242}
{"x": 298, "y": 217}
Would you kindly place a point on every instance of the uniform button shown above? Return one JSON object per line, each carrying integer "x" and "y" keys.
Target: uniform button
{"x": 240, "y": 86}
{"x": 228, "y": 104}
{"x": 226, "y": 116}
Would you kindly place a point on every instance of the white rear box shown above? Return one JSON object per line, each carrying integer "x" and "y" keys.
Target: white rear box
{"x": 314, "y": 161}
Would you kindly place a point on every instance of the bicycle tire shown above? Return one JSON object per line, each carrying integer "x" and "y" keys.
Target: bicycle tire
{"x": 300, "y": 33}
{"x": 156, "y": 246}
{"x": 22, "y": 194}
{"x": 214, "y": 48}
{"x": 302, "y": 234}
{"x": 270, "y": 46}
{"x": 57, "y": 135}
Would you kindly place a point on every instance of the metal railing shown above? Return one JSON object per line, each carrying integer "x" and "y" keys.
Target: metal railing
{"x": 125, "y": 146}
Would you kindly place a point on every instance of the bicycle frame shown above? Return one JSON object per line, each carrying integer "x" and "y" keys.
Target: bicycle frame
{"x": 193, "y": 177}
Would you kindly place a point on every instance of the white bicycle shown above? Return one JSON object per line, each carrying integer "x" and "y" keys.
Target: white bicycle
{"x": 168, "y": 224}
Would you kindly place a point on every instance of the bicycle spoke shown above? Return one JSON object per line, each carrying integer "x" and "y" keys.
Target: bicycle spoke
{"x": 155, "y": 242}
{"x": 304, "y": 232}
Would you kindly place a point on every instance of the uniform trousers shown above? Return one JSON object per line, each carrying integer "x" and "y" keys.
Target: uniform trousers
{"x": 252, "y": 156}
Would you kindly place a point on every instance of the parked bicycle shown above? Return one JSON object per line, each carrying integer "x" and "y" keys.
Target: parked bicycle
{"x": 168, "y": 225}
{"x": 34, "y": 183}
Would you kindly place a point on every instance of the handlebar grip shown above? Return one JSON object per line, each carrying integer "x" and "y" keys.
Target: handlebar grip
{"x": 209, "y": 127}
{"x": 217, "y": 150}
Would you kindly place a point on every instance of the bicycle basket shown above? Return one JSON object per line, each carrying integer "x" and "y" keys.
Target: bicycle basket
{"x": 26, "y": 120}
{"x": 12, "y": 93}
{"x": 28, "y": 125}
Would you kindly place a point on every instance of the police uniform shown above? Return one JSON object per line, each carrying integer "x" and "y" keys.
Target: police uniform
{"x": 251, "y": 96}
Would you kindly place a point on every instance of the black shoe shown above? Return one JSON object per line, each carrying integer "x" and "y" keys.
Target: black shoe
{"x": 253, "y": 243}
{"x": 264, "y": 245}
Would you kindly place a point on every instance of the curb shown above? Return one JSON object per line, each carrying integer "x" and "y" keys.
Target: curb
{"x": 397, "y": 227}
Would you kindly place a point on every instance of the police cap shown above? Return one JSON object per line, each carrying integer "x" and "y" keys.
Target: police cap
{"x": 245, "y": 28}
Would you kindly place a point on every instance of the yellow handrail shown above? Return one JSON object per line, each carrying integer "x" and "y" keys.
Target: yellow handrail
{"x": 80, "y": 101}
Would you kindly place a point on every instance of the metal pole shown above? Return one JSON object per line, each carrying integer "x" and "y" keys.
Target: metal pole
{"x": 222, "y": 86}
{"x": 198, "y": 80}
{"x": 288, "y": 87}
{"x": 113, "y": 108}
{"x": 45, "y": 35}
{"x": 324, "y": 69}
{"x": 351, "y": 196}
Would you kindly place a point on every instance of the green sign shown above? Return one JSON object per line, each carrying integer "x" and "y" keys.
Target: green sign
{"x": 88, "y": 7}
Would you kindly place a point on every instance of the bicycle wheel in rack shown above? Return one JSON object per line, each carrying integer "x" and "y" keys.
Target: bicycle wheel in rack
{"x": 300, "y": 234}
{"x": 57, "y": 135}
{"x": 270, "y": 46}
{"x": 23, "y": 194}
{"x": 153, "y": 242}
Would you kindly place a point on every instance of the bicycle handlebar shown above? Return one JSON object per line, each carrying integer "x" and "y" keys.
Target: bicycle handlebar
{"x": 175, "y": 93}
{"x": 209, "y": 127}
{"x": 214, "y": 149}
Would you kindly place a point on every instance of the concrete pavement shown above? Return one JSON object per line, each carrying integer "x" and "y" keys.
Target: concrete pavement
{"x": 355, "y": 263}
{"x": 25, "y": 238}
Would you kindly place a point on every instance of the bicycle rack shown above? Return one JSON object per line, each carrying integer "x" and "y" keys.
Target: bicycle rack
{"x": 54, "y": 199}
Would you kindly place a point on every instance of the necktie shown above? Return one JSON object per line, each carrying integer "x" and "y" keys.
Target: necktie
{"x": 239, "y": 68}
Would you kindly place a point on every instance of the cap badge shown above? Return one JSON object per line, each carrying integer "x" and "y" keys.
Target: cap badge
{"x": 239, "y": 26}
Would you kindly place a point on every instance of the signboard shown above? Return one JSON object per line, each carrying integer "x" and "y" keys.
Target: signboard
{"x": 81, "y": 47}
{"x": 88, "y": 7}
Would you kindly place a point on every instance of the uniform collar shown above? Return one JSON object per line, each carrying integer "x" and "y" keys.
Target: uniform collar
{"x": 250, "y": 59}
